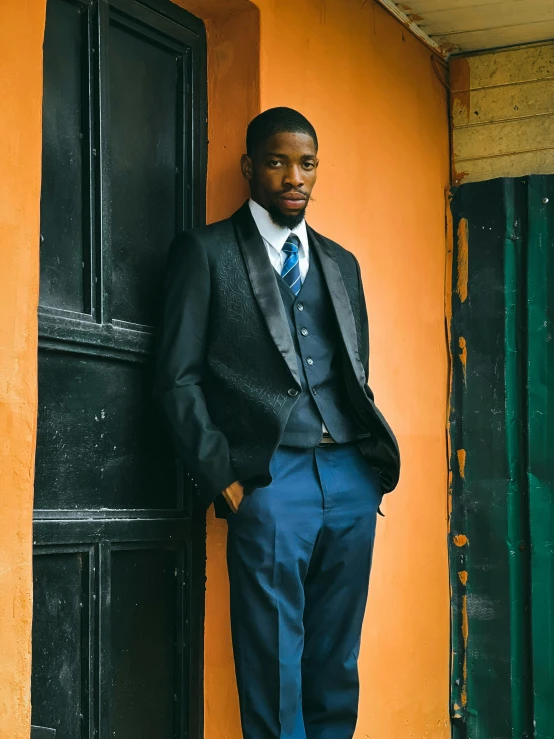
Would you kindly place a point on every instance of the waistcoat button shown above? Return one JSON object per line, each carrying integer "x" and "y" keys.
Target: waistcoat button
{"x": 309, "y": 361}
{"x": 304, "y": 331}
{"x": 300, "y": 306}
{"x": 293, "y": 392}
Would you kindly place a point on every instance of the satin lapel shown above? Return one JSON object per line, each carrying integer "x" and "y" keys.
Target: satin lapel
{"x": 340, "y": 300}
{"x": 264, "y": 285}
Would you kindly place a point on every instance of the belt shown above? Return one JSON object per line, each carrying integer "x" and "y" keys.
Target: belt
{"x": 326, "y": 439}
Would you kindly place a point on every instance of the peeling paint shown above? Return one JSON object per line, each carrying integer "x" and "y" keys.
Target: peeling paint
{"x": 459, "y": 176}
{"x": 463, "y": 577}
{"x": 450, "y": 48}
{"x": 464, "y": 687}
{"x": 463, "y": 255}
{"x": 463, "y": 356}
{"x": 461, "y": 454}
{"x": 460, "y": 540}
{"x": 460, "y": 76}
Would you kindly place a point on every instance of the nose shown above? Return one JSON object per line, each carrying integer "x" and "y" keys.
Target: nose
{"x": 294, "y": 176}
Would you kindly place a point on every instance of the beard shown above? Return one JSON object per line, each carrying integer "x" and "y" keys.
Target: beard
{"x": 284, "y": 221}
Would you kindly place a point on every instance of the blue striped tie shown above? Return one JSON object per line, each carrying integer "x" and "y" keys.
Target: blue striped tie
{"x": 290, "y": 271}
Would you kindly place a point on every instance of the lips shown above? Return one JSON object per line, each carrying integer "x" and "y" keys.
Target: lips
{"x": 293, "y": 201}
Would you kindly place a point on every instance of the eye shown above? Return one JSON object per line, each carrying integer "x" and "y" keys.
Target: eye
{"x": 309, "y": 165}
{"x": 274, "y": 163}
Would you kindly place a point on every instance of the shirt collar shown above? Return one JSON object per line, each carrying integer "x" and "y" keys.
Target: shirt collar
{"x": 274, "y": 234}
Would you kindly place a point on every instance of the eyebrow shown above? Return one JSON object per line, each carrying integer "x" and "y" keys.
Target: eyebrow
{"x": 284, "y": 156}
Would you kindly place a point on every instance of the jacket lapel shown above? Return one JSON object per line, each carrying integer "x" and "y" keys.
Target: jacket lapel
{"x": 340, "y": 300}
{"x": 264, "y": 285}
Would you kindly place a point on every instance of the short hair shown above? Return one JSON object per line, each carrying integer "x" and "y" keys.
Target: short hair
{"x": 276, "y": 120}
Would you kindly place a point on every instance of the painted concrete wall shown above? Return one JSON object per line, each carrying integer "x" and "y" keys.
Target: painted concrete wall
{"x": 21, "y": 30}
{"x": 503, "y": 113}
{"x": 381, "y": 115}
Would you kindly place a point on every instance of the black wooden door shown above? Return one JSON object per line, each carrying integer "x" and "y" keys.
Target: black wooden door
{"x": 119, "y": 551}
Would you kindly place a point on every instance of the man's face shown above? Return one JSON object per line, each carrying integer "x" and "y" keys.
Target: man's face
{"x": 282, "y": 173}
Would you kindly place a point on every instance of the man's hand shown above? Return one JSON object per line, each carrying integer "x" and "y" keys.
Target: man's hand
{"x": 234, "y": 495}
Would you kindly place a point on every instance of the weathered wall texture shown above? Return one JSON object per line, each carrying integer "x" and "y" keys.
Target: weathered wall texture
{"x": 21, "y": 30}
{"x": 381, "y": 115}
{"x": 380, "y": 111}
{"x": 503, "y": 114}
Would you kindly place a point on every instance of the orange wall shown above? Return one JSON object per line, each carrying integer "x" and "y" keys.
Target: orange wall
{"x": 21, "y": 30}
{"x": 380, "y": 112}
{"x": 381, "y": 116}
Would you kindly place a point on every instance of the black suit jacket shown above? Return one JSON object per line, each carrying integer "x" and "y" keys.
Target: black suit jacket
{"x": 227, "y": 374}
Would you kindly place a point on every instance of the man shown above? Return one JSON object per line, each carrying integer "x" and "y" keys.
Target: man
{"x": 262, "y": 374}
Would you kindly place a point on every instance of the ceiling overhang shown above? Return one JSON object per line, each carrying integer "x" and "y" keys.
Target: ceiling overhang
{"x": 466, "y": 26}
{"x": 412, "y": 26}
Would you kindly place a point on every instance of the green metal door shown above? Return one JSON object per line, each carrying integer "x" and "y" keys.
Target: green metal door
{"x": 502, "y": 459}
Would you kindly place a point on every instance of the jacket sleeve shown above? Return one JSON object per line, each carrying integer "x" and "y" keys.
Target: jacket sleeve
{"x": 181, "y": 349}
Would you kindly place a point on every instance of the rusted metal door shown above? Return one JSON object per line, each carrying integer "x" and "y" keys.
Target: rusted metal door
{"x": 502, "y": 459}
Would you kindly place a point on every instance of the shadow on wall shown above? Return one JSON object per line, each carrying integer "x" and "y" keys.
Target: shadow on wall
{"x": 233, "y": 37}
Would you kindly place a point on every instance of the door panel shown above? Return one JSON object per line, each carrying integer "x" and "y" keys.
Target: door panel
{"x": 481, "y": 488}
{"x": 60, "y": 675}
{"x": 502, "y": 434}
{"x": 119, "y": 544}
{"x": 98, "y": 411}
{"x": 146, "y": 131}
{"x": 64, "y": 248}
{"x": 144, "y": 700}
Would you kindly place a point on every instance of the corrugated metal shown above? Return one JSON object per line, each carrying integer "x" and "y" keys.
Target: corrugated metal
{"x": 502, "y": 436}
{"x": 470, "y": 25}
{"x": 502, "y": 109}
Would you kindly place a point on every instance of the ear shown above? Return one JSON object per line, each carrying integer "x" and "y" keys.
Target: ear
{"x": 247, "y": 167}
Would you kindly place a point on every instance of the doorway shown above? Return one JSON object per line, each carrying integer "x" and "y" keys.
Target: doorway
{"x": 119, "y": 546}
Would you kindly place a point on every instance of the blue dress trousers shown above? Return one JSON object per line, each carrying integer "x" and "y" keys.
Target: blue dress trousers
{"x": 299, "y": 557}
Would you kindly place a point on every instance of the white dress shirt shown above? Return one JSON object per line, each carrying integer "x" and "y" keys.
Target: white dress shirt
{"x": 274, "y": 238}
